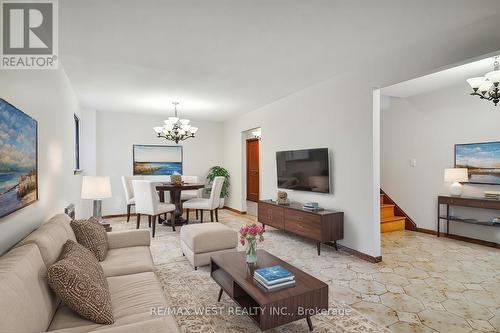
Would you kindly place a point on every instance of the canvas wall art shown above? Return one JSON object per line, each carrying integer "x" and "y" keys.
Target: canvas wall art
{"x": 482, "y": 161}
{"x": 157, "y": 160}
{"x": 18, "y": 159}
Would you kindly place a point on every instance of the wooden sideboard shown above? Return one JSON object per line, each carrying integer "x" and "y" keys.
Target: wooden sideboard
{"x": 321, "y": 226}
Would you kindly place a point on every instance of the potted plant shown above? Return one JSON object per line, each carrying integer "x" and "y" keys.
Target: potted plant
{"x": 218, "y": 171}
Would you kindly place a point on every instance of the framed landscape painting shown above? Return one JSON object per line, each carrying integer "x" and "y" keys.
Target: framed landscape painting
{"x": 482, "y": 161}
{"x": 18, "y": 159}
{"x": 157, "y": 160}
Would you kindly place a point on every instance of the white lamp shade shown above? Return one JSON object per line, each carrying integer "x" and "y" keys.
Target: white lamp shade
{"x": 494, "y": 76}
{"x": 193, "y": 129}
{"x": 158, "y": 129}
{"x": 485, "y": 86}
{"x": 184, "y": 121}
{"x": 476, "y": 82}
{"x": 173, "y": 120}
{"x": 453, "y": 175}
{"x": 96, "y": 187}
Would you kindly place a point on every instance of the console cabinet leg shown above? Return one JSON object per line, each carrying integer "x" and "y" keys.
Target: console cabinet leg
{"x": 319, "y": 248}
{"x": 220, "y": 295}
{"x": 309, "y": 323}
{"x": 335, "y": 244}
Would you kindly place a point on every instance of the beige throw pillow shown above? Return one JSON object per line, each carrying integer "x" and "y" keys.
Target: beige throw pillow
{"x": 78, "y": 279}
{"x": 91, "y": 234}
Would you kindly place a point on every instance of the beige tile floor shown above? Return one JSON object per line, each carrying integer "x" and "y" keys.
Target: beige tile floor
{"x": 423, "y": 284}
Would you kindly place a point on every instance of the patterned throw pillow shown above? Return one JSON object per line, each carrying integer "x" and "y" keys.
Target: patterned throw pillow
{"x": 78, "y": 279}
{"x": 91, "y": 234}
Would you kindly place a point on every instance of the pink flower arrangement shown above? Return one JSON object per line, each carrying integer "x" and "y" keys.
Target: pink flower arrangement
{"x": 251, "y": 232}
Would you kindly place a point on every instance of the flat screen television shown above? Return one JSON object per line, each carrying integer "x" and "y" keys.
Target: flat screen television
{"x": 304, "y": 170}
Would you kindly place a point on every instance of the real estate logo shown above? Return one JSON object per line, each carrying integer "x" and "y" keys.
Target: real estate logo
{"x": 28, "y": 34}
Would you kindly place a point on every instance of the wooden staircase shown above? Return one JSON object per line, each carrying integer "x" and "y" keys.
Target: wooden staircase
{"x": 388, "y": 220}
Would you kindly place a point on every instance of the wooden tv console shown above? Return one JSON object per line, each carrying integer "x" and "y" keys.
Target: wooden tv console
{"x": 321, "y": 226}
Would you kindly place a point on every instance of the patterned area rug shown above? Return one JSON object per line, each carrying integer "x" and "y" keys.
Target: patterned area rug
{"x": 193, "y": 294}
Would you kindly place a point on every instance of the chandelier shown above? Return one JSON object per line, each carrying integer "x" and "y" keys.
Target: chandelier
{"x": 176, "y": 129}
{"x": 486, "y": 87}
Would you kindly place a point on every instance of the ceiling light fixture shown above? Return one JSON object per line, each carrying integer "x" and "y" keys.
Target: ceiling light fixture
{"x": 176, "y": 129}
{"x": 486, "y": 87}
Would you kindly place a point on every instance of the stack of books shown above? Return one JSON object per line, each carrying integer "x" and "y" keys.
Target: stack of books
{"x": 273, "y": 278}
{"x": 495, "y": 195}
{"x": 496, "y": 220}
{"x": 312, "y": 206}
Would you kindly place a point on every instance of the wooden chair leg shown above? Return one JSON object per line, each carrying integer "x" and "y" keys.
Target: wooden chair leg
{"x": 172, "y": 220}
{"x": 211, "y": 215}
{"x": 201, "y": 215}
{"x": 138, "y": 220}
{"x": 149, "y": 220}
{"x": 196, "y": 214}
{"x": 128, "y": 212}
{"x": 187, "y": 215}
{"x": 154, "y": 224}
{"x": 217, "y": 214}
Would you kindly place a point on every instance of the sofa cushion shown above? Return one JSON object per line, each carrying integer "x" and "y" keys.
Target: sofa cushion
{"x": 208, "y": 237}
{"x": 50, "y": 237}
{"x": 128, "y": 260}
{"x": 91, "y": 234}
{"x": 128, "y": 238}
{"x": 26, "y": 302}
{"x": 132, "y": 298}
{"x": 79, "y": 281}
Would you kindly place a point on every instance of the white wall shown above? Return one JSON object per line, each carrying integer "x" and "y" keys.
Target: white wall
{"x": 427, "y": 127}
{"x": 47, "y": 96}
{"x": 117, "y": 132}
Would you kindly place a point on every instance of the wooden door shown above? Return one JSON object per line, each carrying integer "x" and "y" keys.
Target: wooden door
{"x": 253, "y": 169}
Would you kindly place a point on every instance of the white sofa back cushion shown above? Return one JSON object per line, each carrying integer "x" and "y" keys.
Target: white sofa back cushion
{"x": 26, "y": 303}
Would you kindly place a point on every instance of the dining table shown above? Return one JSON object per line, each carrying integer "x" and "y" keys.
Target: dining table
{"x": 175, "y": 190}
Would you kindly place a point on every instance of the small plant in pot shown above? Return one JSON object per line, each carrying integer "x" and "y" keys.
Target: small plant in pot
{"x": 218, "y": 171}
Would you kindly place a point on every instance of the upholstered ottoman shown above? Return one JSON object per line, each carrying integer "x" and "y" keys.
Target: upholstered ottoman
{"x": 200, "y": 241}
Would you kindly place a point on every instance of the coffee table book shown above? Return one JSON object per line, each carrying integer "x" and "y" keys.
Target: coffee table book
{"x": 309, "y": 296}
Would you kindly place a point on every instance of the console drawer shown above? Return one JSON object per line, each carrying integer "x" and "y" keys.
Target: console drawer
{"x": 303, "y": 223}
{"x": 271, "y": 215}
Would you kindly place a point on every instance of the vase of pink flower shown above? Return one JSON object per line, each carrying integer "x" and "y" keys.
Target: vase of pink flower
{"x": 250, "y": 234}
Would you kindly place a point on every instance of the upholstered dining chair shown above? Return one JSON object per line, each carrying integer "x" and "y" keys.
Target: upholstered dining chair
{"x": 129, "y": 193}
{"x": 211, "y": 204}
{"x": 148, "y": 203}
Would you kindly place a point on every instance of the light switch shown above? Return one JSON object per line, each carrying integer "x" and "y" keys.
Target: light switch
{"x": 413, "y": 162}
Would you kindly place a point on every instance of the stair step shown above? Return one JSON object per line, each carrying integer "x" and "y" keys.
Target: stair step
{"x": 381, "y": 199}
{"x": 391, "y": 219}
{"x": 393, "y": 225}
{"x": 386, "y": 210}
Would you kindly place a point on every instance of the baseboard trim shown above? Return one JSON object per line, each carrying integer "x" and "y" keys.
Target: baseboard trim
{"x": 116, "y": 215}
{"x": 359, "y": 254}
{"x": 235, "y": 210}
{"x": 460, "y": 238}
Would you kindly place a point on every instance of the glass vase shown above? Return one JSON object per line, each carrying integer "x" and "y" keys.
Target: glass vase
{"x": 251, "y": 251}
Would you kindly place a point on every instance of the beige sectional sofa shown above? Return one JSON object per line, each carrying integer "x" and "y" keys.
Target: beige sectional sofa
{"x": 27, "y": 304}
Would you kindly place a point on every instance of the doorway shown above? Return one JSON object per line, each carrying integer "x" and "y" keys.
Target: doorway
{"x": 252, "y": 169}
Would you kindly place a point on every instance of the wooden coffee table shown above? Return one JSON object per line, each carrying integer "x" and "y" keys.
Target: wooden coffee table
{"x": 268, "y": 310}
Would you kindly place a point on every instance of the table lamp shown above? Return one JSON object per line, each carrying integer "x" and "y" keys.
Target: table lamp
{"x": 96, "y": 188}
{"x": 456, "y": 176}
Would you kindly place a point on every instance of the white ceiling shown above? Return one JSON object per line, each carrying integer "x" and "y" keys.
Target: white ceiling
{"x": 221, "y": 58}
{"x": 441, "y": 79}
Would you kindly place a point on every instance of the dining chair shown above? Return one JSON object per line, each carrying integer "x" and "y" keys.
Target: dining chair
{"x": 129, "y": 193}
{"x": 211, "y": 204}
{"x": 148, "y": 203}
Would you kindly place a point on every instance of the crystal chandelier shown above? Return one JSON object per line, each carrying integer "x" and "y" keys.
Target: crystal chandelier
{"x": 176, "y": 129}
{"x": 486, "y": 87}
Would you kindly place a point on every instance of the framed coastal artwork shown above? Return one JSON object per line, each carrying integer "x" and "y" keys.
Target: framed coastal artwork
{"x": 482, "y": 161}
{"x": 18, "y": 159}
{"x": 157, "y": 160}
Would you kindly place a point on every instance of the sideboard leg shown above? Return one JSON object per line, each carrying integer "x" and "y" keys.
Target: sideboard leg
{"x": 319, "y": 248}
{"x": 335, "y": 244}
{"x": 220, "y": 295}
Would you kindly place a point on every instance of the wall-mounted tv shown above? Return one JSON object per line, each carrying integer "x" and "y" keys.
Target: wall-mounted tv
{"x": 304, "y": 170}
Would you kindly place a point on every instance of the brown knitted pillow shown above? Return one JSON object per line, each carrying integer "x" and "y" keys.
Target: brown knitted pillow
{"x": 78, "y": 279}
{"x": 91, "y": 234}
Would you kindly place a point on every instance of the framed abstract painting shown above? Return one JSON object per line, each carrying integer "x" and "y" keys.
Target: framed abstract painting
{"x": 18, "y": 159}
{"x": 157, "y": 160}
{"x": 482, "y": 161}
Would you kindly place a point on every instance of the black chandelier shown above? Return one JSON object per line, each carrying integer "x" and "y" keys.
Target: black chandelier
{"x": 486, "y": 87}
{"x": 176, "y": 129}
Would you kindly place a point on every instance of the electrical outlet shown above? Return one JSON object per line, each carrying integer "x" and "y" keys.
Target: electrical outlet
{"x": 413, "y": 162}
